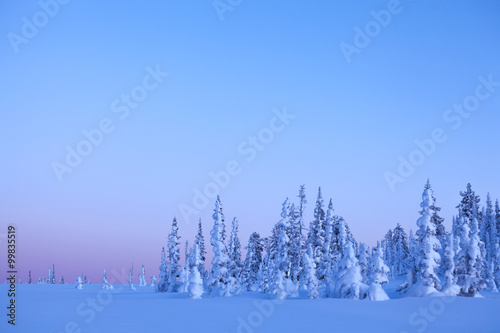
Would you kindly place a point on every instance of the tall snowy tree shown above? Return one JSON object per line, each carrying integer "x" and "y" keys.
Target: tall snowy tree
{"x": 298, "y": 238}
{"x": 142, "y": 277}
{"x": 327, "y": 270}
{"x": 488, "y": 235}
{"x": 174, "y": 256}
{"x": 315, "y": 237}
{"x": 436, "y": 219}
{"x": 469, "y": 261}
{"x": 428, "y": 258}
{"x": 79, "y": 282}
{"x": 163, "y": 283}
{"x": 387, "y": 250}
{"x": 130, "y": 278}
{"x": 450, "y": 287}
{"x": 364, "y": 262}
{"x": 195, "y": 281}
{"x": 411, "y": 275}
{"x": 400, "y": 251}
{"x": 349, "y": 283}
{"x": 309, "y": 274}
{"x": 378, "y": 276}
{"x": 281, "y": 276}
{"x": 200, "y": 240}
{"x": 235, "y": 264}
{"x": 218, "y": 282}
{"x": 253, "y": 260}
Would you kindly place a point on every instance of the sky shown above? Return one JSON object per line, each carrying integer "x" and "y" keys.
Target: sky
{"x": 118, "y": 116}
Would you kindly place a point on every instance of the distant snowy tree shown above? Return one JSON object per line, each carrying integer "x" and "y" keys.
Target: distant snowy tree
{"x": 469, "y": 261}
{"x": 142, "y": 277}
{"x": 327, "y": 270}
{"x": 174, "y": 256}
{"x": 400, "y": 250}
{"x": 163, "y": 283}
{"x": 185, "y": 271}
{"x": 315, "y": 236}
{"x": 364, "y": 262}
{"x": 297, "y": 221}
{"x": 427, "y": 260}
{"x": 61, "y": 280}
{"x": 378, "y": 276}
{"x": 105, "y": 283}
{"x": 387, "y": 250}
{"x": 448, "y": 265}
{"x": 195, "y": 281}
{"x": 154, "y": 281}
{"x": 282, "y": 266}
{"x": 219, "y": 274}
{"x": 235, "y": 264}
{"x": 488, "y": 235}
{"x": 29, "y": 277}
{"x": 253, "y": 260}
{"x": 309, "y": 274}
{"x": 130, "y": 278}
{"x": 200, "y": 240}
{"x": 79, "y": 282}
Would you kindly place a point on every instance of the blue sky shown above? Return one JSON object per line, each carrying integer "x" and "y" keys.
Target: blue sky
{"x": 352, "y": 119}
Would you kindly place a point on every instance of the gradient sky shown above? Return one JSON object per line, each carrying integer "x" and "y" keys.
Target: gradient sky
{"x": 225, "y": 79}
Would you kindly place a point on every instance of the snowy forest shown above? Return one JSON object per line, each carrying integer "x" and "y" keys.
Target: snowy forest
{"x": 325, "y": 259}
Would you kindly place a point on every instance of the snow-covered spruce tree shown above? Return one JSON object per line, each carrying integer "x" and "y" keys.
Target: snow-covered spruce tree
{"x": 309, "y": 274}
{"x": 29, "y": 277}
{"x": 428, "y": 259}
{"x": 79, "y": 282}
{"x": 162, "y": 285}
{"x": 400, "y": 250}
{"x": 497, "y": 265}
{"x": 218, "y": 282}
{"x": 253, "y": 260}
{"x": 195, "y": 280}
{"x": 387, "y": 245}
{"x": 326, "y": 264}
{"x": 299, "y": 242}
{"x": 349, "y": 283}
{"x": 282, "y": 284}
{"x": 235, "y": 264}
{"x": 469, "y": 261}
{"x": 364, "y": 262}
{"x": 105, "y": 283}
{"x": 488, "y": 235}
{"x": 378, "y": 276}
{"x": 200, "y": 240}
{"x": 130, "y": 278}
{"x": 61, "y": 280}
{"x": 315, "y": 236}
{"x": 142, "y": 277}
{"x": 174, "y": 256}
{"x": 154, "y": 281}
{"x": 448, "y": 265}
{"x": 184, "y": 275}
{"x": 411, "y": 275}
{"x": 436, "y": 219}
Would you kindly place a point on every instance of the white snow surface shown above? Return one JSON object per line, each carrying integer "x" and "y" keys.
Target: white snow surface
{"x": 63, "y": 308}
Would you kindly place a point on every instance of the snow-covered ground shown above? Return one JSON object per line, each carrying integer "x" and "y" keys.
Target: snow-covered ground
{"x": 62, "y": 308}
